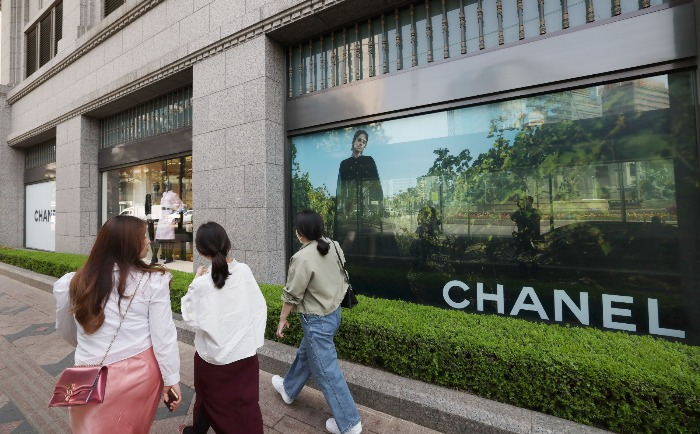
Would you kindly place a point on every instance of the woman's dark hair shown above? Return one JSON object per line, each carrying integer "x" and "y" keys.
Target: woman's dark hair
{"x": 310, "y": 225}
{"x": 119, "y": 242}
{"x": 359, "y": 133}
{"x": 212, "y": 241}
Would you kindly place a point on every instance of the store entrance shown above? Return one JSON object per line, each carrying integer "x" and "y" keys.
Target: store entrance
{"x": 160, "y": 193}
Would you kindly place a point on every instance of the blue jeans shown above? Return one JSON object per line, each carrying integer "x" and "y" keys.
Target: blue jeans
{"x": 317, "y": 357}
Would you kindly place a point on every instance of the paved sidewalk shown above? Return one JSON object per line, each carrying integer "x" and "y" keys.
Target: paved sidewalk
{"x": 33, "y": 355}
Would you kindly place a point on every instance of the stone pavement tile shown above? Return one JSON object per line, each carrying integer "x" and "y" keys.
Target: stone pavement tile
{"x": 25, "y": 428}
{"x": 30, "y": 387}
{"x": 8, "y": 330}
{"x": 12, "y": 420}
{"x": 186, "y": 364}
{"x": 270, "y": 418}
{"x": 25, "y": 318}
{"x": 13, "y": 310}
{"x": 28, "y": 428}
{"x": 9, "y": 427}
{"x": 44, "y": 350}
{"x": 33, "y": 329}
{"x": 29, "y": 316}
{"x": 48, "y": 427}
{"x": 289, "y": 425}
{"x": 168, "y": 426}
{"x": 22, "y": 293}
{"x": 9, "y": 412}
{"x": 376, "y": 422}
{"x": 306, "y": 413}
{"x": 309, "y": 412}
{"x": 55, "y": 369}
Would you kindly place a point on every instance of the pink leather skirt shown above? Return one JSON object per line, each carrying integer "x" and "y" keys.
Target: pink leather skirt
{"x": 132, "y": 396}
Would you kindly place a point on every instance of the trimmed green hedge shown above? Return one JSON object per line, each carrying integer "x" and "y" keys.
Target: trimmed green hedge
{"x": 611, "y": 380}
{"x": 58, "y": 264}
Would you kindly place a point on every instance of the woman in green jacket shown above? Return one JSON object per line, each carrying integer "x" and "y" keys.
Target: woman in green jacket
{"x": 316, "y": 285}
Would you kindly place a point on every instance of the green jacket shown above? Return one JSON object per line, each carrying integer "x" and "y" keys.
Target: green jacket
{"x": 316, "y": 283}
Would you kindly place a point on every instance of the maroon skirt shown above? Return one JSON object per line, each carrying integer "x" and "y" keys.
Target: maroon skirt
{"x": 226, "y": 396}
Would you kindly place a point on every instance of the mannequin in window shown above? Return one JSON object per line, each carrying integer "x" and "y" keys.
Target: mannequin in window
{"x": 165, "y": 233}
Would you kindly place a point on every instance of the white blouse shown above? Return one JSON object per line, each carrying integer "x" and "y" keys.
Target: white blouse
{"x": 149, "y": 323}
{"x": 229, "y": 322}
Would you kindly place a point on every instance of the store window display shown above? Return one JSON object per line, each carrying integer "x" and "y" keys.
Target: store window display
{"x": 170, "y": 203}
{"x": 160, "y": 193}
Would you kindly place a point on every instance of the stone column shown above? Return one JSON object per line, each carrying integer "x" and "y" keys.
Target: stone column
{"x": 12, "y": 181}
{"x": 77, "y": 143}
{"x": 238, "y": 152}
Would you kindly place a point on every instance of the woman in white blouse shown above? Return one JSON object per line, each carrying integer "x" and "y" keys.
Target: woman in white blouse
{"x": 226, "y": 308}
{"x": 143, "y": 359}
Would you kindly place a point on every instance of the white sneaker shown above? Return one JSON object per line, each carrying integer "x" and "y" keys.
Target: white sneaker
{"x": 332, "y": 427}
{"x": 278, "y": 384}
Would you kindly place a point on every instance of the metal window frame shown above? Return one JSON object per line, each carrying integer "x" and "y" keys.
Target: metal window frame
{"x": 148, "y": 119}
{"x": 407, "y": 45}
{"x": 52, "y": 42}
{"x": 111, "y": 6}
{"x": 450, "y": 83}
{"x": 163, "y": 146}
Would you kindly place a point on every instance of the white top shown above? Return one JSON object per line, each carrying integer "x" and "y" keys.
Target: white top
{"x": 168, "y": 203}
{"x": 149, "y": 323}
{"x": 229, "y": 322}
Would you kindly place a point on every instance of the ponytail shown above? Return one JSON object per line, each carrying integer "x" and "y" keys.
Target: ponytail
{"x": 213, "y": 242}
{"x": 323, "y": 246}
{"x": 219, "y": 269}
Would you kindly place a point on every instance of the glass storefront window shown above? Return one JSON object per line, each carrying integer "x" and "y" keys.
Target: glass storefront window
{"x": 575, "y": 207}
{"x": 161, "y": 194}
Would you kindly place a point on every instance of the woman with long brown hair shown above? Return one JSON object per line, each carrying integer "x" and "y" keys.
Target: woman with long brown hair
{"x": 117, "y": 308}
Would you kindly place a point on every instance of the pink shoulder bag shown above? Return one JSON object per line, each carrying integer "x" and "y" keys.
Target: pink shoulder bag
{"x": 81, "y": 385}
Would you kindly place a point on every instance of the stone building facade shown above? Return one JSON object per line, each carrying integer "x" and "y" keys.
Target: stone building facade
{"x": 261, "y": 72}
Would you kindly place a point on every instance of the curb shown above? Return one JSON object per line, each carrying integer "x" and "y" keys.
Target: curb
{"x": 438, "y": 408}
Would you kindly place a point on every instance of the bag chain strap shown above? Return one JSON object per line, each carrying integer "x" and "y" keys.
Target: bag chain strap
{"x": 122, "y": 320}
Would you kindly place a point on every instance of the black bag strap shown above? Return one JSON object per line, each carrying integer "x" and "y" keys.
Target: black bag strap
{"x": 342, "y": 266}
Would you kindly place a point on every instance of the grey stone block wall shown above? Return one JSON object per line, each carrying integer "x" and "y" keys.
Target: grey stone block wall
{"x": 77, "y": 144}
{"x": 12, "y": 181}
{"x": 238, "y": 151}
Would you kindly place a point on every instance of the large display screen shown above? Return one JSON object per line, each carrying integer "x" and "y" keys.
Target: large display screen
{"x": 576, "y": 207}
{"x": 40, "y": 216}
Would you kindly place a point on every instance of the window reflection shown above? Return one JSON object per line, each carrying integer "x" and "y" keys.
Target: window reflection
{"x": 161, "y": 194}
{"x": 589, "y": 191}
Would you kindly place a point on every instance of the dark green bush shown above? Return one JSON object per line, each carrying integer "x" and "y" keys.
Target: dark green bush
{"x": 48, "y": 263}
{"x": 611, "y": 380}
{"x": 58, "y": 264}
